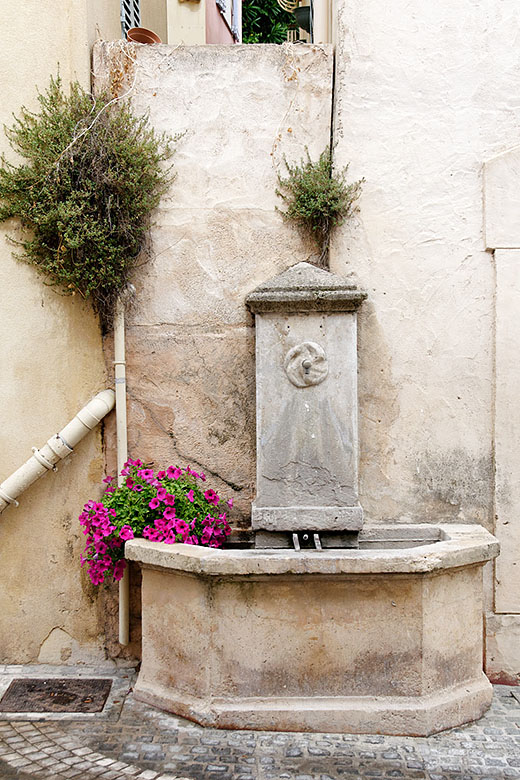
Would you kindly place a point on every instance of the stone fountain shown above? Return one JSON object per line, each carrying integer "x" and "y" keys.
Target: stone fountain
{"x": 323, "y": 624}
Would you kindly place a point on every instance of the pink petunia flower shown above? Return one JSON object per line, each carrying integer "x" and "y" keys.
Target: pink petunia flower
{"x": 126, "y": 533}
{"x": 119, "y": 569}
{"x": 154, "y": 503}
{"x": 190, "y": 496}
{"x": 211, "y": 497}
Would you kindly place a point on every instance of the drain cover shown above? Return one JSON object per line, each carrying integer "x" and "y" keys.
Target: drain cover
{"x": 55, "y": 695}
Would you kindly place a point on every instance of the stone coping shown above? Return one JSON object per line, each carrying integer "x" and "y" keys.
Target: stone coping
{"x": 304, "y": 287}
{"x": 458, "y": 545}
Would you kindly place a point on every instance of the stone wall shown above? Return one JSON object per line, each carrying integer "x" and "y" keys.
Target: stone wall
{"x": 423, "y": 96}
{"x": 190, "y": 339}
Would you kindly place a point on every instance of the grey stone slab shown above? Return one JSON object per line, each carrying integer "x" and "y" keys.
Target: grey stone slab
{"x": 299, "y": 518}
{"x": 304, "y": 287}
{"x": 307, "y": 435}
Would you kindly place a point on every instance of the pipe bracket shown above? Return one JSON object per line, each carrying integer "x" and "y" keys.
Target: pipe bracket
{"x": 8, "y": 498}
{"x": 43, "y": 460}
{"x": 59, "y": 446}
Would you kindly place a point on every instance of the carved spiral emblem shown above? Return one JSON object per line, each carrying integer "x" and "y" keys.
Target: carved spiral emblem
{"x": 306, "y": 364}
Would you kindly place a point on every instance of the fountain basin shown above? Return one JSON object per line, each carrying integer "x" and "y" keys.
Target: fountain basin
{"x": 382, "y": 639}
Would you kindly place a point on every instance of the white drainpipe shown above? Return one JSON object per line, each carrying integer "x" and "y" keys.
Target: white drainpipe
{"x": 122, "y": 453}
{"x": 57, "y": 448}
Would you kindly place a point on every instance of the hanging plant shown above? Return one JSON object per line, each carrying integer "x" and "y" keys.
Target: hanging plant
{"x": 91, "y": 177}
{"x": 318, "y": 199}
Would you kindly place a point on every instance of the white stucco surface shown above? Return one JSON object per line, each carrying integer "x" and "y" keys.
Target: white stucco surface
{"x": 424, "y": 95}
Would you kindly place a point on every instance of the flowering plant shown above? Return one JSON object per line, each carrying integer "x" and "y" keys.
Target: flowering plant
{"x": 168, "y": 506}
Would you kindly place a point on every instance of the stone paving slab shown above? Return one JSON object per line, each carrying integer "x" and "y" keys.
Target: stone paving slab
{"x": 146, "y": 744}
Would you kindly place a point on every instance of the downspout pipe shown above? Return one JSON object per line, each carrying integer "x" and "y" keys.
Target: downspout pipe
{"x": 122, "y": 451}
{"x": 57, "y": 447}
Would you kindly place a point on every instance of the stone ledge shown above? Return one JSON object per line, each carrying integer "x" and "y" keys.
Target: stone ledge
{"x": 304, "y": 287}
{"x": 459, "y": 545}
{"x": 411, "y": 715}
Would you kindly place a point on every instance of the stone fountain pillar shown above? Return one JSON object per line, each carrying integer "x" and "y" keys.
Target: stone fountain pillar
{"x": 307, "y": 429}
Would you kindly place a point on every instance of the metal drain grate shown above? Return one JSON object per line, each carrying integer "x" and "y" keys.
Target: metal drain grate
{"x": 56, "y": 695}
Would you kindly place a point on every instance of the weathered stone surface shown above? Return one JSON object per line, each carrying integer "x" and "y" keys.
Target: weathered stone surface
{"x": 308, "y": 518}
{"x": 306, "y": 435}
{"x": 502, "y": 643}
{"x": 303, "y": 287}
{"x": 507, "y": 431}
{"x": 217, "y": 235}
{"x": 416, "y": 113}
{"x": 459, "y": 545}
{"x": 415, "y": 612}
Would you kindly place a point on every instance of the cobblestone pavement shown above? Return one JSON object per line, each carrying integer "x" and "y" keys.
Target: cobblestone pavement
{"x": 135, "y": 741}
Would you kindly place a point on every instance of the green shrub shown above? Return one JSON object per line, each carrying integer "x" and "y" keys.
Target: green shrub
{"x": 263, "y": 21}
{"x": 318, "y": 199}
{"x": 92, "y": 175}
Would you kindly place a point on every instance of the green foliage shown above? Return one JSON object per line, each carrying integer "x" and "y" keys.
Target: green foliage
{"x": 263, "y": 21}
{"x": 318, "y": 199}
{"x": 92, "y": 176}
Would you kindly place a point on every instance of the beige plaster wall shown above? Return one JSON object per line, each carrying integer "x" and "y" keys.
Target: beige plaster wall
{"x": 186, "y": 22}
{"x": 51, "y": 365}
{"x": 154, "y": 17}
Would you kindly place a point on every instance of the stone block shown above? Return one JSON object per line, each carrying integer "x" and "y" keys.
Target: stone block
{"x": 502, "y": 200}
{"x": 507, "y": 431}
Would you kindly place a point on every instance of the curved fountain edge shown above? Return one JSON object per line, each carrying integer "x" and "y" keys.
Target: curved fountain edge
{"x": 458, "y": 545}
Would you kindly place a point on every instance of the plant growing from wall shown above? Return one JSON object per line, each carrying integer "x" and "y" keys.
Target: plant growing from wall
{"x": 91, "y": 175}
{"x": 318, "y": 199}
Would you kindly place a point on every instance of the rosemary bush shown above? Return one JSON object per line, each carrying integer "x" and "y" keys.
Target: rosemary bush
{"x": 318, "y": 199}
{"x": 90, "y": 179}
